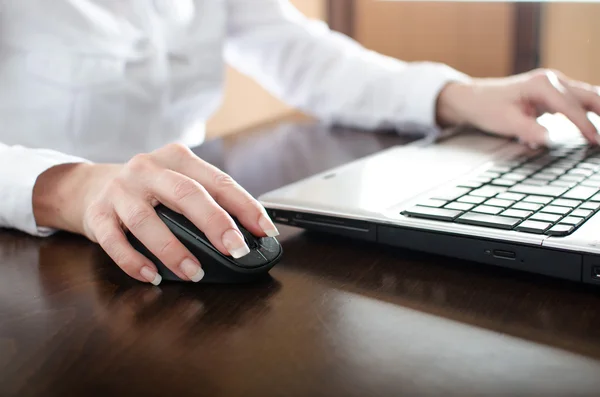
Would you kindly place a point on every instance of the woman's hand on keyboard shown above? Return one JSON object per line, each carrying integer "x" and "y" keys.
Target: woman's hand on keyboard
{"x": 510, "y": 106}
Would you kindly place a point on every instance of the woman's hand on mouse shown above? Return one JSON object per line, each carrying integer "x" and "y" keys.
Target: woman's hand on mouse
{"x": 103, "y": 201}
{"x": 510, "y": 106}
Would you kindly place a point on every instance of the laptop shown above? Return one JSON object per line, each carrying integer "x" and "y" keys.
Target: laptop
{"x": 466, "y": 195}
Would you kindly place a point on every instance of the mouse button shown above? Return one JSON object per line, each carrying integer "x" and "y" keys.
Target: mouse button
{"x": 252, "y": 259}
{"x": 269, "y": 248}
{"x": 182, "y": 221}
{"x": 269, "y": 243}
{"x": 250, "y": 239}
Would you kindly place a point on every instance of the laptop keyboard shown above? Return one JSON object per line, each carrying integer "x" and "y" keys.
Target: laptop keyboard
{"x": 551, "y": 192}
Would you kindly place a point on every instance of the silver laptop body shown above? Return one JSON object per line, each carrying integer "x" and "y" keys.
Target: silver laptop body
{"x": 372, "y": 199}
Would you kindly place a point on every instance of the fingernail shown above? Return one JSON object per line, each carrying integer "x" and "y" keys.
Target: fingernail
{"x": 150, "y": 275}
{"x": 267, "y": 226}
{"x": 192, "y": 270}
{"x": 235, "y": 244}
{"x": 597, "y": 139}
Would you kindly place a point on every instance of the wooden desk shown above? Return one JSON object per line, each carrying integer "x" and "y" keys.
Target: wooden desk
{"x": 338, "y": 317}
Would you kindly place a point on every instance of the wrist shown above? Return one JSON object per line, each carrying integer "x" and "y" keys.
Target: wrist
{"x": 58, "y": 196}
{"x": 451, "y": 104}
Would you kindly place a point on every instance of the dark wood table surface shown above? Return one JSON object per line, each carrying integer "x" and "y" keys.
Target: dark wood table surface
{"x": 336, "y": 318}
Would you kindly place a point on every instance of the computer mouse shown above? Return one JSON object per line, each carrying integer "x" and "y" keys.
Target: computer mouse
{"x": 265, "y": 252}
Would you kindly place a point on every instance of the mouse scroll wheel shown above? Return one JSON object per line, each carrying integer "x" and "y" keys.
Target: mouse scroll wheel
{"x": 250, "y": 239}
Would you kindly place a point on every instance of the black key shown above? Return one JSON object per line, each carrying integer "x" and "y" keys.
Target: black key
{"x": 594, "y": 184}
{"x": 596, "y": 197}
{"x": 490, "y": 175}
{"x": 566, "y": 184}
{"x": 566, "y": 203}
{"x": 544, "y": 177}
{"x": 472, "y": 199}
{"x": 535, "y": 182}
{"x": 590, "y": 206}
{"x": 589, "y": 166}
{"x": 496, "y": 202}
{"x": 524, "y": 171}
{"x": 553, "y": 209}
{"x": 572, "y": 178}
{"x": 531, "y": 167}
{"x": 482, "y": 180}
{"x": 459, "y": 206}
{"x": 514, "y": 177}
{"x": 558, "y": 153}
{"x": 495, "y": 221}
{"x": 582, "y": 213}
{"x": 486, "y": 209}
{"x": 471, "y": 184}
{"x": 552, "y": 191}
{"x": 536, "y": 227}
{"x": 440, "y": 214}
{"x": 504, "y": 182}
{"x": 580, "y": 193}
{"x": 451, "y": 194}
{"x": 521, "y": 214}
{"x": 510, "y": 196}
{"x": 581, "y": 171}
{"x": 540, "y": 216}
{"x": 566, "y": 164}
{"x": 543, "y": 161}
{"x": 433, "y": 203}
{"x": 537, "y": 199}
{"x": 488, "y": 191}
{"x": 527, "y": 206}
{"x": 572, "y": 220}
{"x": 560, "y": 230}
{"x": 558, "y": 171}
{"x": 501, "y": 169}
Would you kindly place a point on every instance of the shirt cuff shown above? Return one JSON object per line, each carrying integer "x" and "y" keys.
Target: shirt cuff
{"x": 17, "y": 187}
{"x": 420, "y": 100}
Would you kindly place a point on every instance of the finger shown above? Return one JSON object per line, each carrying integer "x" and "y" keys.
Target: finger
{"x": 226, "y": 192}
{"x": 110, "y": 236}
{"x": 188, "y": 197}
{"x": 143, "y": 222}
{"x": 587, "y": 95}
{"x": 528, "y": 130}
{"x": 553, "y": 95}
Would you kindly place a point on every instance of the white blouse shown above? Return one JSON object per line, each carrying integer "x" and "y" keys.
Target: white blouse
{"x": 102, "y": 80}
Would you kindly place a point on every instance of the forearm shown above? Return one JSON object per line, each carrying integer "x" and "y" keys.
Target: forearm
{"x": 53, "y": 197}
{"x": 327, "y": 74}
{"x": 20, "y": 169}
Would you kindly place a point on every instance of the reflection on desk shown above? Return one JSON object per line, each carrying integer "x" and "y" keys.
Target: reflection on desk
{"x": 337, "y": 317}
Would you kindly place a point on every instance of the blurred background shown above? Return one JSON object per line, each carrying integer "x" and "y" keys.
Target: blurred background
{"x": 479, "y": 38}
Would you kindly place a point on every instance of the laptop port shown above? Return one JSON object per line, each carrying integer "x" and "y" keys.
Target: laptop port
{"x": 504, "y": 254}
{"x": 596, "y": 272}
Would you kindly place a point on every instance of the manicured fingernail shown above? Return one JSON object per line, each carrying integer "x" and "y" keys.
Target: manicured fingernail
{"x": 150, "y": 275}
{"x": 267, "y": 226}
{"x": 235, "y": 244}
{"x": 192, "y": 270}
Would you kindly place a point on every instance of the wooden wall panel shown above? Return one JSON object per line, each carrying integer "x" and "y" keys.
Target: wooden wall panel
{"x": 476, "y": 38}
{"x": 571, "y": 39}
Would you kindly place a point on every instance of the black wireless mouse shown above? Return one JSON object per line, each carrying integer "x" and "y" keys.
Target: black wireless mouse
{"x": 265, "y": 252}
